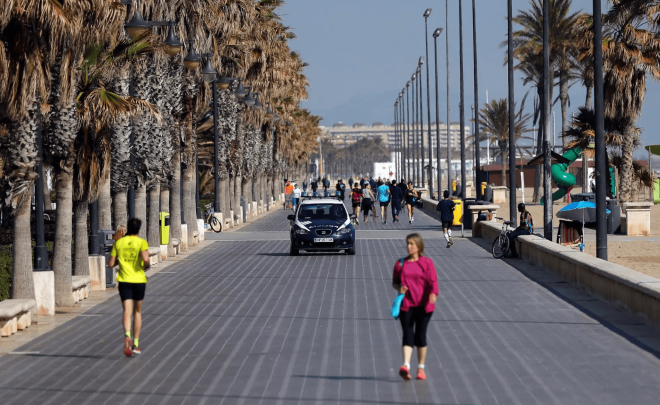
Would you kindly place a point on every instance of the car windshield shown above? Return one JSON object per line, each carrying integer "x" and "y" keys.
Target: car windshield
{"x": 333, "y": 212}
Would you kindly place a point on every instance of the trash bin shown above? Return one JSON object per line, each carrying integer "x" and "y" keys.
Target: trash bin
{"x": 469, "y": 202}
{"x": 614, "y": 218}
{"x": 164, "y": 228}
{"x": 458, "y": 212}
{"x": 483, "y": 187}
{"x": 488, "y": 195}
{"x": 106, "y": 242}
{"x": 656, "y": 191}
{"x": 453, "y": 185}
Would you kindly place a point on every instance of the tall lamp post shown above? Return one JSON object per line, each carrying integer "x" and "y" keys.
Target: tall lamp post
{"x": 547, "y": 157}
{"x": 512, "y": 123}
{"x": 599, "y": 110}
{"x": 449, "y": 181}
{"x": 413, "y": 80}
{"x": 477, "y": 136}
{"x": 462, "y": 106}
{"x": 421, "y": 123}
{"x": 436, "y": 34}
{"x": 409, "y": 174}
{"x": 427, "y": 13}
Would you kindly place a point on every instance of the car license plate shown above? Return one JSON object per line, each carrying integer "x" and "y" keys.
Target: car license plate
{"x": 322, "y": 240}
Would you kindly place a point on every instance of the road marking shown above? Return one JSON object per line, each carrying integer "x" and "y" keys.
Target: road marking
{"x": 23, "y": 352}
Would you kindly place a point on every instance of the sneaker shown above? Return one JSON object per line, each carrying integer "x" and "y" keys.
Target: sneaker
{"x": 366, "y": 220}
{"x": 448, "y": 245}
{"x": 136, "y": 350}
{"x": 404, "y": 373}
{"x": 409, "y": 221}
{"x": 451, "y": 241}
{"x": 357, "y": 222}
{"x": 127, "y": 347}
{"x": 421, "y": 375}
{"x": 412, "y": 219}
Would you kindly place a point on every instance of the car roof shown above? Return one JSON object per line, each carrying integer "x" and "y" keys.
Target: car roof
{"x": 322, "y": 201}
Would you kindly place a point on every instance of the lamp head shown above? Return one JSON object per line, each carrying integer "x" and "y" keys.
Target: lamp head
{"x": 224, "y": 82}
{"x": 240, "y": 90}
{"x": 257, "y": 104}
{"x": 427, "y": 12}
{"x": 249, "y": 98}
{"x": 408, "y": 84}
{"x": 172, "y": 43}
{"x": 437, "y": 32}
{"x": 137, "y": 26}
{"x": 208, "y": 73}
{"x": 269, "y": 112}
{"x": 421, "y": 61}
{"x": 192, "y": 59}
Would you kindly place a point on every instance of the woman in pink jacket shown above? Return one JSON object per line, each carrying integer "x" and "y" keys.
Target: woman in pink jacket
{"x": 418, "y": 280}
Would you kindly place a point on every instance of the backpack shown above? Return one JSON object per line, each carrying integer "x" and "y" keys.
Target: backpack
{"x": 356, "y": 196}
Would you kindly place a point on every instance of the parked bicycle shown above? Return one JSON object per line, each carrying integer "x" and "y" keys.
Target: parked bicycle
{"x": 211, "y": 219}
{"x": 501, "y": 244}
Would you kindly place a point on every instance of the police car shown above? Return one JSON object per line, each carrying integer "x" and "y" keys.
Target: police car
{"x": 322, "y": 224}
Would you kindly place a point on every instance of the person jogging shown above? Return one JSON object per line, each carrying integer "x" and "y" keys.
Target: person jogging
{"x": 350, "y": 182}
{"x": 446, "y": 208}
{"x": 356, "y": 199}
{"x": 367, "y": 202}
{"x": 132, "y": 254}
{"x": 415, "y": 276}
{"x": 411, "y": 194}
{"x": 384, "y": 200}
{"x": 341, "y": 188}
{"x": 326, "y": 186}
{"x": 397, "y": 197}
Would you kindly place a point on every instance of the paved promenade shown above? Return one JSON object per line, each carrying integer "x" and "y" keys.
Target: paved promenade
{"x": 242, "y": 322}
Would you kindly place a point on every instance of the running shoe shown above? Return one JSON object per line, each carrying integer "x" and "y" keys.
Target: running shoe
{"x": 136, "y": 350}
{"x": 421, "y": 375}
{"x": 451, "y": 241}
{"x": 448, "y": 245}
{"x": 404, "y": 373}
{"x": 357, "y": 222}
{"x": 410, "y": 221}
{"x": 127, "y": 347}
{"x": 366, "y": 220}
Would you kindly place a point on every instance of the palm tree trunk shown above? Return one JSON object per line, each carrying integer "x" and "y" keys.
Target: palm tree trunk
{"x": 175, "y": 197}
{"x": 587, "y": 102}
{"x": 105, "y": 204}
{"x": 503, "y": 154}
{"x": 22, "y": 282}
{"x": 153, "y": 236}
{"x": 563, "y": 97}
{"x": 223, "y": 197}
{"x": 237, "y": 196}
{"x": 119, "y": 209}
{"x": 63, "y": 236}
{"x": 47, "y": 201}
{"x": 81, "y": 241}
{"x": 189, "y": 203}
{"x": 141, "y": 208}
{"x": 626, "y": 171}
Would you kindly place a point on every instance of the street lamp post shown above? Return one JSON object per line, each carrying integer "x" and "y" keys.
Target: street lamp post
{"x": 601, "y": 158}
{"x": 413, "y": 80}
{"x": 436, "y": 34}
{"x": 477, "y": 136}
{"x": 421, "y": 124}
{"x": 449, "y": 181}
{"x": 547, "y": 157}
{"x": 462, "y": 105}
{"x": 427, "y": 13}
{"x": 512, "y": 126}
{"x": 409, "y": 174}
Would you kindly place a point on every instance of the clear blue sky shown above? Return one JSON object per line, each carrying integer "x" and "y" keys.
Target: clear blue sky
{"x": 362, "y": 52}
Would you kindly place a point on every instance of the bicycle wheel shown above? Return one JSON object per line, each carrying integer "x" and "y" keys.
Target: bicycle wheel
{"x": 500, "y": 246}
{"x": 216, "y": 226}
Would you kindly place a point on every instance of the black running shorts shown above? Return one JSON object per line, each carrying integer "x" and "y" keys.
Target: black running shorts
{"x": 384, "y": 203}
{"x": 446, "y": 224}
{"x": 132, "y": 291}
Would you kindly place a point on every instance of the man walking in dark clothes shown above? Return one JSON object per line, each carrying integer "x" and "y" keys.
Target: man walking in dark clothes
{"x": 397, "y": 196}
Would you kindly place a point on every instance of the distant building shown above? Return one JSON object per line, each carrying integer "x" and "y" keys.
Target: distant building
{"x": 340, "y": 133}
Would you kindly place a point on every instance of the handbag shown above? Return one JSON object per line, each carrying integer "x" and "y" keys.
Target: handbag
{"x": 396, "y": 306}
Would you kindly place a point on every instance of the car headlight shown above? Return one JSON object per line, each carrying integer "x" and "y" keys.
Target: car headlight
{"x": 343, "y": 231}
{"x": 302, "y": 232}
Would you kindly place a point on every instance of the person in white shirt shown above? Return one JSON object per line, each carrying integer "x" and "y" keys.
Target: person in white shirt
{"x": 295, "y": 194}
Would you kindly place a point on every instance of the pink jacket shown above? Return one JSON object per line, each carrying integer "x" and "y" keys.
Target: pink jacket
{"x": 421, "y": 279}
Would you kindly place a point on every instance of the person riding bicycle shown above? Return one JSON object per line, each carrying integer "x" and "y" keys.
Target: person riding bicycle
{"x": 526, "y": 227}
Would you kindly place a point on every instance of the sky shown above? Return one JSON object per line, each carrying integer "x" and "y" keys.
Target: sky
{"x": 362, "y": 52}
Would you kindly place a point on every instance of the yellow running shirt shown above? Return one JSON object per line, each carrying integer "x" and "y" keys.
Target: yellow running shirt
{"x": 131, "y": 267}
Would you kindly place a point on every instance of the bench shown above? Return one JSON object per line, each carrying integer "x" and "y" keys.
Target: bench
{"x": 15, "y": 315}
{"x": 196, "y": 237}
{"x": 176, "y": 243}
{"x": 82, "y": 285}
{"x": 154, "y": 254}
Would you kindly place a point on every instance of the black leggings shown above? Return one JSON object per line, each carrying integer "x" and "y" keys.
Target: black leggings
{"x": 415, "y": 322}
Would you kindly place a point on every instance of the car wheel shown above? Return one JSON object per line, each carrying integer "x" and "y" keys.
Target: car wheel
{"x": 294, "y": 252}
{"x": 351, "y": 251}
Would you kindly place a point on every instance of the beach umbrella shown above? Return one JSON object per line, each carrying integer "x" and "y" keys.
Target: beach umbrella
{"x": 583, "y": 211}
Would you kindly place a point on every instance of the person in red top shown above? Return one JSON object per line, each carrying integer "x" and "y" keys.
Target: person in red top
{"x": 418, "y": 280}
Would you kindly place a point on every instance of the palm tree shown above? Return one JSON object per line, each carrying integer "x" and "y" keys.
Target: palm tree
{"x": 494, "y": 119}
{"x": 528, "y": 49}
